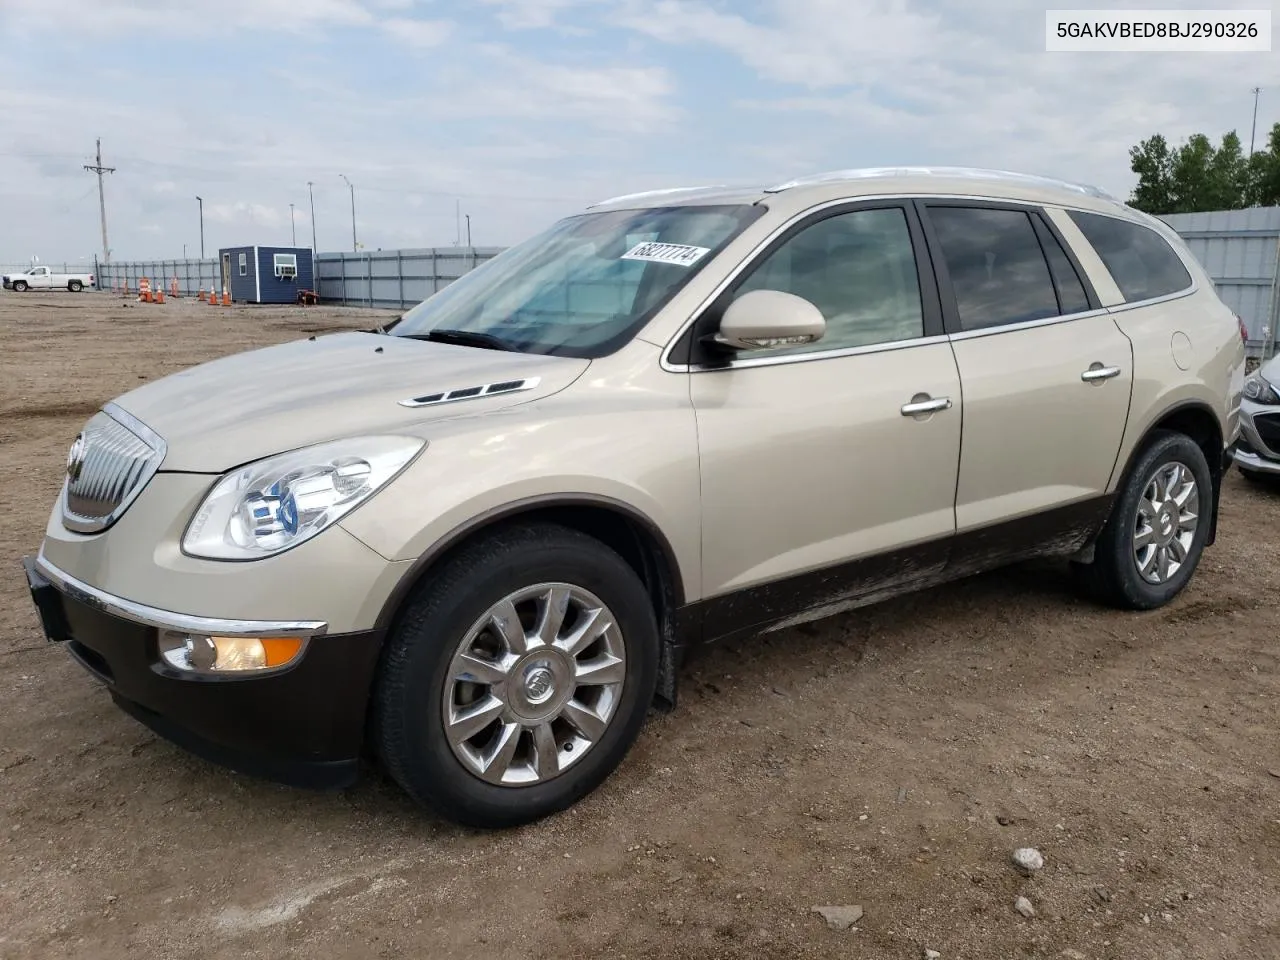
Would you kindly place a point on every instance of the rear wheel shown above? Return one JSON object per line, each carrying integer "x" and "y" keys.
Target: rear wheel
{"x": 518, "y": 678}
{"x": 1152, "y": 543}
{"x": 20, "y": 285}
{"x": 75, "y": 286}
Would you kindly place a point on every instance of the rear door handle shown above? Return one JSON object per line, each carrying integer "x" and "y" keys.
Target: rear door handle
{"x": 1098, "y": 372}
{"x": 922, "y": 403}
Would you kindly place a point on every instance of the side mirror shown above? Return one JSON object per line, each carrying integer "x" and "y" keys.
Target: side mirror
{"x": 764, "y": 319}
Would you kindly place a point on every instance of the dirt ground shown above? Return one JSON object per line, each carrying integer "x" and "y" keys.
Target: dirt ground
{"x": 892, "y": 758}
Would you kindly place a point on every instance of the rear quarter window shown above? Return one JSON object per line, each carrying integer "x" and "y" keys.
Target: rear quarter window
{"x": 1140, "y": 261}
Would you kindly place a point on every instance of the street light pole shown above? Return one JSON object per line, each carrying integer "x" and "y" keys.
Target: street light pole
{"x": 201, "y": 199}
{"x": 1254, "y": 135}
{"x": 293, "y": 229}
{"x": 311, "y": 193}
{"x": 354, "y": 245}
{"x": 468, "y": 230}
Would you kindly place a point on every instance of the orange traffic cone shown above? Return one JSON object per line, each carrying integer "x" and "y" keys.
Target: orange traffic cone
{"x": 201, "y": 295}
{"x": 158, "y": 296}
{"x": 226, "y": 297}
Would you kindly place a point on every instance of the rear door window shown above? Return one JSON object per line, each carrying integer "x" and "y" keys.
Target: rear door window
{"x": 1140, "y": 261}
{"x": 998, "y": 271}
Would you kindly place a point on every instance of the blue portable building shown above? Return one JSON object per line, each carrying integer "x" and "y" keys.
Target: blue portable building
{"x": 267, "y": 274}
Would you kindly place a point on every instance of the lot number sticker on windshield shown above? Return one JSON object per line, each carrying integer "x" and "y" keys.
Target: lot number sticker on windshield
{"x": 677, "y": 253}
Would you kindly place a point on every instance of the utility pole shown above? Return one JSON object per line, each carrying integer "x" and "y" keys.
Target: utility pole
{"x": 1254, "y": 135}
{"x": 354, "y": 246}
{"x": 312, "y": 194}
{"x": 292, "y": 227}
{"x": 99, "y": 169}
{"x": 468, "y": 229}
{"x": 201, "y": 199}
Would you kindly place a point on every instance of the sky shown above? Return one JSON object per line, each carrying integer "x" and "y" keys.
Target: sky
{"x": 519, "y": 112}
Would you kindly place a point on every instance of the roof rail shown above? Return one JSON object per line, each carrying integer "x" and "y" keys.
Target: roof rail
{"x": 977, "y": 173}
{"x": 653, "y": 193}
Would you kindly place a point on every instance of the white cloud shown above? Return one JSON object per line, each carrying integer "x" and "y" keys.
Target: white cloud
{"x": 889, "y": 82}
{"x": 242, "y": 212}
{"x": 628, "y": 99}
{"x": 33, "y": 17}
{"x": 532, "y": 14}
{"x": 418, "y": 33}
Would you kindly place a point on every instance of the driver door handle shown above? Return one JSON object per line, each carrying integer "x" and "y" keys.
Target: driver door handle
{"x": 923, "y": 403}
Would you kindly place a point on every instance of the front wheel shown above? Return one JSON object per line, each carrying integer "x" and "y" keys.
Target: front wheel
{"x": 75, "y": 286}
{"x": 518, "y": 678}
{"x": 1152, "y": 543}
{"x": 19, "y": 286}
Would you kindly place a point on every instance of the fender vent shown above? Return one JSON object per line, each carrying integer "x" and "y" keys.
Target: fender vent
{"x": 470, "y": 393}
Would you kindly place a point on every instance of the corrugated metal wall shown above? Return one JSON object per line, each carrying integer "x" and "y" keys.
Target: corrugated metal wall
{"x": 1239, "y": 249}
{"x": 390, "y": 279}
{"x": 191, "y": 274}
{"x": 394, "y": 279}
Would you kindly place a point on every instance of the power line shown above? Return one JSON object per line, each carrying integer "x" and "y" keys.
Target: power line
{"x": 99, "y": 169}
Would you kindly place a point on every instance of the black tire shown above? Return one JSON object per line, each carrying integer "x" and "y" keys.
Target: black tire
{"x": 408, "y": 723}
{"x": 1113, "y": 577}
{"x": 75, "y": 286}
{"x": 19, "y": 286}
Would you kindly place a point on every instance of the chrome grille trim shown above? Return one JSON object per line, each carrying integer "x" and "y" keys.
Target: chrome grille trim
{"x": 472, "y": 393}
{"x": 121, "y": 456}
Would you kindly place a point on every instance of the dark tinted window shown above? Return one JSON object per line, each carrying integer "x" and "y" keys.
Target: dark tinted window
{"x": 859, "y": 269}
{"x": 1140, "y": 261}
{"x": 998, "y": 271}
{"x": 1071, "y": 295}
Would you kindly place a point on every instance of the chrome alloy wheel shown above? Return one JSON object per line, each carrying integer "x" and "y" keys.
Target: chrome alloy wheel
{"x": 533, "y": 684}
{"x": 1166, "y": 524}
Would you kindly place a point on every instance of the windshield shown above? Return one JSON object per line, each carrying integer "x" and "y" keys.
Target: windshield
{"x": 581, "y": 288}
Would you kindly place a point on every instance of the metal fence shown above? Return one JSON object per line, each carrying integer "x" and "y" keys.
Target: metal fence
{"x": 80, "y": 266}
{"x": 389, "y": 279}
{"x": 394, "y": 279}
{"x": 1240, "y": 250}
{"x": 192, "y": 275}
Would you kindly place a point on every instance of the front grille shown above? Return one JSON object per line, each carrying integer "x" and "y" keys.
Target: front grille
{"x": 112, "y": 460}
{"x": 1268, "y": 427}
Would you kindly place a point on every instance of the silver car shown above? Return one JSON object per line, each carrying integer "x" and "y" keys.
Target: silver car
{"x": 1258, "y": 450}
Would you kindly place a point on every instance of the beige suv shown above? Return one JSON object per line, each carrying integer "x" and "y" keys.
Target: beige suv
{"x": 477, "y": 544}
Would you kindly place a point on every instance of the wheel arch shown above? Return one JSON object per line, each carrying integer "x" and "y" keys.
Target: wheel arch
{"x": 632, "y": 534}
{"x": 1197, "y": 420}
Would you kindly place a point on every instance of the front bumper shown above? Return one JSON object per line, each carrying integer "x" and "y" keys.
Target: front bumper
{"x": 1247, "y": 459}
{"x": 302, "y": 725}
{"x": 1258, "y": 449}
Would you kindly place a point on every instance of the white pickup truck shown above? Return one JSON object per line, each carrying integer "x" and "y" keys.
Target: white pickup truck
{"x": 43, "y": 278}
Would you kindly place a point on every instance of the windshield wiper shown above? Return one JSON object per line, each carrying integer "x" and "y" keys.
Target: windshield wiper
{"x": 466, "y": 338}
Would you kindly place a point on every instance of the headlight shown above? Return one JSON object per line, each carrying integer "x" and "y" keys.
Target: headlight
{"x": 1260, "y": 391}
{"x": 277, "y": 503}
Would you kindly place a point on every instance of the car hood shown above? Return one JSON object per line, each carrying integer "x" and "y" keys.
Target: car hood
{"x": 250, "y": 405}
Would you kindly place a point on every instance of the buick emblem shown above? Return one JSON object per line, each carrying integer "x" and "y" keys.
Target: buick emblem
{"x": 75, "y": 459}
{"x": 539, "y": 685}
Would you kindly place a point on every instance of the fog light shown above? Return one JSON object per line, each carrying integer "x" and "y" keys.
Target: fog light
{"x": 227, "y": 654}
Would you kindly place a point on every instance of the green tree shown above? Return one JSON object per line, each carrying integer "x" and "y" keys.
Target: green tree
{"x": 1198, "y": 176}
{"x": 1152, "y": 161}
{"x": 1263, "y": 176}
